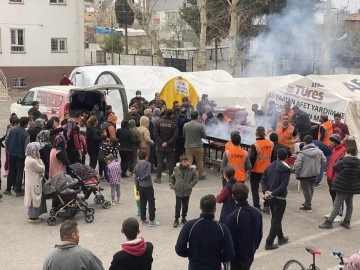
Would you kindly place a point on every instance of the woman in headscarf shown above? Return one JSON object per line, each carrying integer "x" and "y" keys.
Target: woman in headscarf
{"x": 58, "y": 157}
{"x": 135, "y": 146}
{"x": 73, "y": 149}
{"x": 53, "y": 126}
{"x": 44, "y": 139}
{"x": 34, "y": 170}
{"x": 93, "y": 139}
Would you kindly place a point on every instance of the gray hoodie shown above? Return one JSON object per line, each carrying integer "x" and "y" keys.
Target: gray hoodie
{"x": 156, "y": 116}
{"x": 309, "y": 162}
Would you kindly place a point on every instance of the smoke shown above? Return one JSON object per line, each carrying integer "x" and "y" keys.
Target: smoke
{"x": 287, "y": 44}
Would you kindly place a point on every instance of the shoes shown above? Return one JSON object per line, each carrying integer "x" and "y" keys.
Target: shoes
{"x": 317, "y": 185}
{"x": 283, "y": 240}
{"x": 19, "y": 194}
{"x": 113, "y": 203}
{"x": 36, "y": 220}
{"x": 271, "y": 247}
{"x": 123, "y": 175}
{"x": 176, "y": 223}
{"x": 154, "y": 223}
{"x": 327, "y": 216}
{"x": 118, "y": 201}
{"x": 6, "y": 192}
{"x": 145, "y": 222}
{"x": 101, "y": 189}
{"x": 305, "y": 209}
{"x": 337, "y": 219}
{"x": 183, "y": 220}
{"x": 203, "y": 176}
{"x": 266, "y": 210}
{"x": 128, "y": 173}
{"x": 326, "y": 225}
{"x": 163, "y": 174}
{"x": 157, "y": 181}
{"x": 345, "y": 224}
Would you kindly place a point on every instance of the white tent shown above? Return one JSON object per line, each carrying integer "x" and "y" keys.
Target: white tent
{"x": 219, "y": 75}
{"x": 148, "y": 79}
{"x": 329, "y": 94}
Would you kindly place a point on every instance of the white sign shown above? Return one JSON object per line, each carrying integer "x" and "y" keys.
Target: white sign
{"x": 182, "y": 87}
{"x": 310, "y": 100}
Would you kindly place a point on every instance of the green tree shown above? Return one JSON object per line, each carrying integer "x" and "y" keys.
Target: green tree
{"x": 112, "y": 44}
{"x": 125, "y": 17}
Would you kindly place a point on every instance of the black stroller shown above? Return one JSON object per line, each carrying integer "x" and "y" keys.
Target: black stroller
{"x": 67, "y": 191}
{"x": 87, "y": 177}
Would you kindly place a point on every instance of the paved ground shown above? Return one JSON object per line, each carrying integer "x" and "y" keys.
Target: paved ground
{"x": 25, "y": 245}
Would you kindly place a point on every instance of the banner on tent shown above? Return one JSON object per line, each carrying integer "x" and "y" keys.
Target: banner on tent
{"x": 182, "y": 87}
{"x": 310, "y": 100}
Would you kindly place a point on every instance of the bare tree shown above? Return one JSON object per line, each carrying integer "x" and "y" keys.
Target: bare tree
{"x": 143, "y": 15}
{"x": 171, "y": 32}
{"x": 202, "y": 48}
{"x": 104, "y": 14}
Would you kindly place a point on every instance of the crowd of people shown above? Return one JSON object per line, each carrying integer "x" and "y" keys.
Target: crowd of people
{"x": 152, "y": 139}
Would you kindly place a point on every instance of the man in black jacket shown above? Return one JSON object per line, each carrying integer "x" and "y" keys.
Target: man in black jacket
{"x": 138, "y": 100}
{"x": 274, "y": 138}
{"x": 301, "y": 122}
{"x": 34, "y": 131}
{"x": 245, "y": 225}
{"x": 180, "y": 142}
{"x": 133, "y": 114}
{"x": 206, "y": 242}
{"x": 126, "y": 140}
{"x": 136, "y": 254}
{"x": 274, "y": 183}
{"x": 166, "y": 132}
{"x": 34, "y": 111}
{"x": 346, "y": 184}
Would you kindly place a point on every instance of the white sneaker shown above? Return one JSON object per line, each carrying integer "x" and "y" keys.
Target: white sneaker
{"x": 327, "y": 216}
{"x": 163, "y": 174}
{"x": 112, "y": 203}
{"x": 337, "y": 219}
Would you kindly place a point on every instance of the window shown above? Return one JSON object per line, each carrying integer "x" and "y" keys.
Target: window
{"x": 28, "y": 99}
{"x": 58, "y": 45}
{"x": 17, "y": 40}
{"x": 16, "y": 1}
{"x": 317, "y": 54}
{"x": 58, "y": 2}
{"x": 19, "y": 82}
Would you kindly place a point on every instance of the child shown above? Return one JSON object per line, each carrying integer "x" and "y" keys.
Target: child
{"x": 225, "y": 196}
{"x": 182, "y": 181}
{"x": 107, "y": 148}
{"x": 114, "y": 172}
{"x": 144, "y": 188}
{"x": 136, "y": 253}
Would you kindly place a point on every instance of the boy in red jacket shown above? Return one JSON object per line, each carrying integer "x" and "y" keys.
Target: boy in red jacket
{"x": 338, "y": 150}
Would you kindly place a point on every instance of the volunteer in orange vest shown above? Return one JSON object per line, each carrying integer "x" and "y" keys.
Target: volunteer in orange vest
{"x": 286, "y": 132}
{"x": 237, "y": 158}
{"x": 287, "y": 110}
{"x": 260, "y": 157}
{"x": 325, "y": 130}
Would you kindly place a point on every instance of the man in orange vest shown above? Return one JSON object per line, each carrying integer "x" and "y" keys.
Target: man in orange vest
{"x": 260, "y": 157}
{"x": 287, "y": 110}
{"x": 325, "y": 130}
{"x": 237, "y": 158}
{"x": 286, "y": 132}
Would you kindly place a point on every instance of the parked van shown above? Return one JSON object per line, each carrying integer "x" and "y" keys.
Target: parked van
{"x": 59, "y": 100}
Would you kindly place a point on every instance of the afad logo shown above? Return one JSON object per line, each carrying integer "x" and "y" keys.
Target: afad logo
{"x": 305, "y": 92}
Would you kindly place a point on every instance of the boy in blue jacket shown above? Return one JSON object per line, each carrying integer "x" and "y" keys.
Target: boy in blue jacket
{"x": 274, "y": 185}
{"x": 206, "y": 242}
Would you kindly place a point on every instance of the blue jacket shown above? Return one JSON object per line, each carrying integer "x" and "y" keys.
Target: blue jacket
{"x": 16, "y": 142}
{"x": 276, "y": 179}
{"x": 209, "y": 241}
{"x": 323, "y": 147}
{"x": 246, "y": 231}
{"x": 228, "y": 203}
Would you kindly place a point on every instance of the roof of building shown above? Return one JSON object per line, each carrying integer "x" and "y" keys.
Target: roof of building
{"x": 354, "y": 17}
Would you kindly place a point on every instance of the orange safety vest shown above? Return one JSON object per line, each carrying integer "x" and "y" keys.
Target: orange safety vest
{"x": 286, "y": 136}
{"x": 290, "y": 114}
{"x": 263, "y": 158}
{"x": 328, "y": 132}
{"x": 236, "y": 158}
{"x": 229, "y": 145}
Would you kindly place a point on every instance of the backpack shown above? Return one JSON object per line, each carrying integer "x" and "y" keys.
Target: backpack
{"x": 106, "y": 126}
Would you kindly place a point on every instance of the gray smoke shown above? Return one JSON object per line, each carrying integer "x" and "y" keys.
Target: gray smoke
{"x": 286, "y": 46}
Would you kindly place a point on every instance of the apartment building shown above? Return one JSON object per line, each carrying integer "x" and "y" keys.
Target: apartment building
{"x": 40, "y": 40}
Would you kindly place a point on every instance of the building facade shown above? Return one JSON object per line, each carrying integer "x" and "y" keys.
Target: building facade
{"x": 40, "y": 40}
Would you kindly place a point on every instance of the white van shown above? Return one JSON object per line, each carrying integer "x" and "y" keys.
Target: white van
{"x": 58, "y": 100}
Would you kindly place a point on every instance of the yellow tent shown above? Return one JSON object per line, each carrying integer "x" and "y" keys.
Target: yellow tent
{"x": 176, "y": 89}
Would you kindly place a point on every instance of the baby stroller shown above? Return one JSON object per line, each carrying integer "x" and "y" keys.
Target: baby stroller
{"x": 67, "y": 191}
{"x": 87, "y": 177}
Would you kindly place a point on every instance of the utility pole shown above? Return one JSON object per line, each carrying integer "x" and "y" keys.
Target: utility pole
{"x": 327, "y": 39}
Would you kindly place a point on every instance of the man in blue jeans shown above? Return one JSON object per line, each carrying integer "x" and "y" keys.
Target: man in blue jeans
{"x": 327, "y": 153}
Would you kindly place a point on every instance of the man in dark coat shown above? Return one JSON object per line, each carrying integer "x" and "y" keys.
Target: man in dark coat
{"x": 138, "y": 100}
{"x": 346, "y": 184}
{"x": 34, "y": 111}
{"x": 133, "y": 114}
{"x": 245, "y": 225}
{"x": 274, "y": 183}
{"x": 301, "y": 122}
{"x": 34, "y": 131}
{"x": 274, "y": 138}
